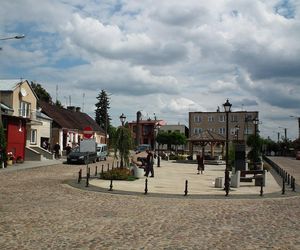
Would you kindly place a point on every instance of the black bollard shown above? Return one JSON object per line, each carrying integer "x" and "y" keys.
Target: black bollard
{"x": 261, "y": 188}
{"x": 111, "y": 185}
{"x": 117, "y": 164}
{"x": 113, "y": 165}
{"x": 227, "y": 183}
{"x": 87, "y": 178}
{"x": 107, "y": 167}
{"x": 79, "y": 175}
{"x": 288, "y": 179}
{"x": 283, "y": 186}
{"x": 96, "y": 168}
{"x": 102, "y": 169}
{"x": 146, "y": 186}
{"x": 186, "y": 188}
{"x": 294, "y": 184}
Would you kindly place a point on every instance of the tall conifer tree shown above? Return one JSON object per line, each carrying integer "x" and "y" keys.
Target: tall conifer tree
{"x": 101, "y": 111}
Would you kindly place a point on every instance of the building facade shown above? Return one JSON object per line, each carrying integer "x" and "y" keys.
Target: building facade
{"x": 18, "y": 115}
{"x": 240, "y": 123}
{"x": 180, "y": 128}
{"x": 144, "y": 131}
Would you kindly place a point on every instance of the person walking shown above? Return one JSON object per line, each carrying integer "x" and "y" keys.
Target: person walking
{"x": 68, "y": 149}
{"x": 149, "y": 164}
{"x": 200, "y": 162}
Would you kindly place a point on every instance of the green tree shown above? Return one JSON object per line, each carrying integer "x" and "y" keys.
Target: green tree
{"x": 296, "y": 144}
{"x": 58, "y": 104}
{"x": 177, "y": 138}
{"x": 41, "y": 93}
{"x": 162, "y": 138}
{"x": 122, "y": 145}
{"x": 255, "y": 142}
{"x": 101, "y": 112}
{"x": 173, "y": 138}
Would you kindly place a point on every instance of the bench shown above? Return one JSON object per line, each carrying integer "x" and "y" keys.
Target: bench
{"x": 256, "y": 175}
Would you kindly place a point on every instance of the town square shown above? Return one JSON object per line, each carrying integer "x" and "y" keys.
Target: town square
{"x": 150, "y": 124}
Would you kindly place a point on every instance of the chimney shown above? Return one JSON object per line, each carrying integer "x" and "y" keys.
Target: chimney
{"x": 78, "y": 109}
{"x": 72, "y": 108}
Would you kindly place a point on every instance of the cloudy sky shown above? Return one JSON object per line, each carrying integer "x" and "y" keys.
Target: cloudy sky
{"x": 159, "y": 56}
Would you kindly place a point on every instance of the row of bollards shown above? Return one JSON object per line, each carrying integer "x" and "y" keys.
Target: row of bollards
{"x": 286, "y": 177}
{"x": 146, "y": 183}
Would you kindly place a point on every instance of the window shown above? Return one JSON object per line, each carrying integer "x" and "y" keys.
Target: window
{"x": 24, "y": 109}
{"x": 248, "y": 118}
{"x": 222, "y": 118}
{"x": 248, "y": 131}
{"x": 33, "y": 134}
{"x": 210, "y": 119}
{"x": 197, "y": 130}
{"x": 197, "y": 119}
{"x": 221, "y": 131}
{"x": 234, "y": 118}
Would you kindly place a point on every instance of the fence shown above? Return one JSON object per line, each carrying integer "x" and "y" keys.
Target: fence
{"x": 287, "y": 179}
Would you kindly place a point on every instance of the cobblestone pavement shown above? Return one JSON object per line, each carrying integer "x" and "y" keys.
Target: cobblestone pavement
{"x": 39, "y": 211}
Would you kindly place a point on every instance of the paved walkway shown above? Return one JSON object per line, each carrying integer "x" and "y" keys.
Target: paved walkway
{"x": 38, "y": 210}
{"x": 171, "y": 176}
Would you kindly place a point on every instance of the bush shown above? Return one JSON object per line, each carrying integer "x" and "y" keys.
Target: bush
{"x": 117, "y": 174}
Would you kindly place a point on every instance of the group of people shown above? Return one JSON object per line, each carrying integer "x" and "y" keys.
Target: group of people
{"x": 56, "y": 149}
{"x": 147, "y": 163}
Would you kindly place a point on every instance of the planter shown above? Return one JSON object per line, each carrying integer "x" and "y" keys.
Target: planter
{"x": 9, "y": 162}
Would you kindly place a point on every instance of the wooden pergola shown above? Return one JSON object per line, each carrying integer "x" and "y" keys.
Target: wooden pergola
{"x": 207, "y": 138}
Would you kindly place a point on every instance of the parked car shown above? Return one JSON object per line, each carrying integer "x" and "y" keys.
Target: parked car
{"x": 298, "y": 155}
{"x": 101, "y": 152}
{"x": 85, "y": 153}
{"x": 142, "y": 148}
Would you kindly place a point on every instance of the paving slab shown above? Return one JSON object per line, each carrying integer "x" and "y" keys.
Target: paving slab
{"x": 171, "y": 177}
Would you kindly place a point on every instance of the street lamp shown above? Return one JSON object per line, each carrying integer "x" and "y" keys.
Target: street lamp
{"x": 158, "y": 158}
{"x": 227, "y": 107}
{"x": 122, "y": 119}
{"x": 255, "y": 122}
{"x": 298, "y": 124}
{"x": 12, "y": 37}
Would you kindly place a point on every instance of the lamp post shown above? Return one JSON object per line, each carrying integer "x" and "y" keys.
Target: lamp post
{"x": 255, "y": 122}
{"x": 122, "y": 119}
{"x": 13, "y": 37}
{"x": 1, "y": 39}
{"x": 227, "y": 107}
{"x": 298, "y": 124}
{"x": 158, "y": 158}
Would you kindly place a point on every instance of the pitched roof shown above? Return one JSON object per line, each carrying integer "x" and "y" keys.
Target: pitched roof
{"x": 12, "y": 84}
{"x": 9, "y": 84}
{"x": 207, "y": 136}
{"x": 66, "y": 118}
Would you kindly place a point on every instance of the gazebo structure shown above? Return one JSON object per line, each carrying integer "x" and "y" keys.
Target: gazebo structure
{"x": 207, "y": 138}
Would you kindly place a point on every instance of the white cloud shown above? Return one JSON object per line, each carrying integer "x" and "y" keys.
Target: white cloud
{"x": 159, "y": 55}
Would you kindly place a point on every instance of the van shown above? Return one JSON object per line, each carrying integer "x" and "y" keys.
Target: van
{"x": 101, "y": 152}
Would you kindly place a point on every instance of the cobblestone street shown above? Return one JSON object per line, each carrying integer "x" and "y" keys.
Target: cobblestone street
{"x": 39, "y": 211}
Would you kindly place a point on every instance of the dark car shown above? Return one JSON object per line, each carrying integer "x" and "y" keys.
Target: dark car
{"x": 75, "y": 156}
